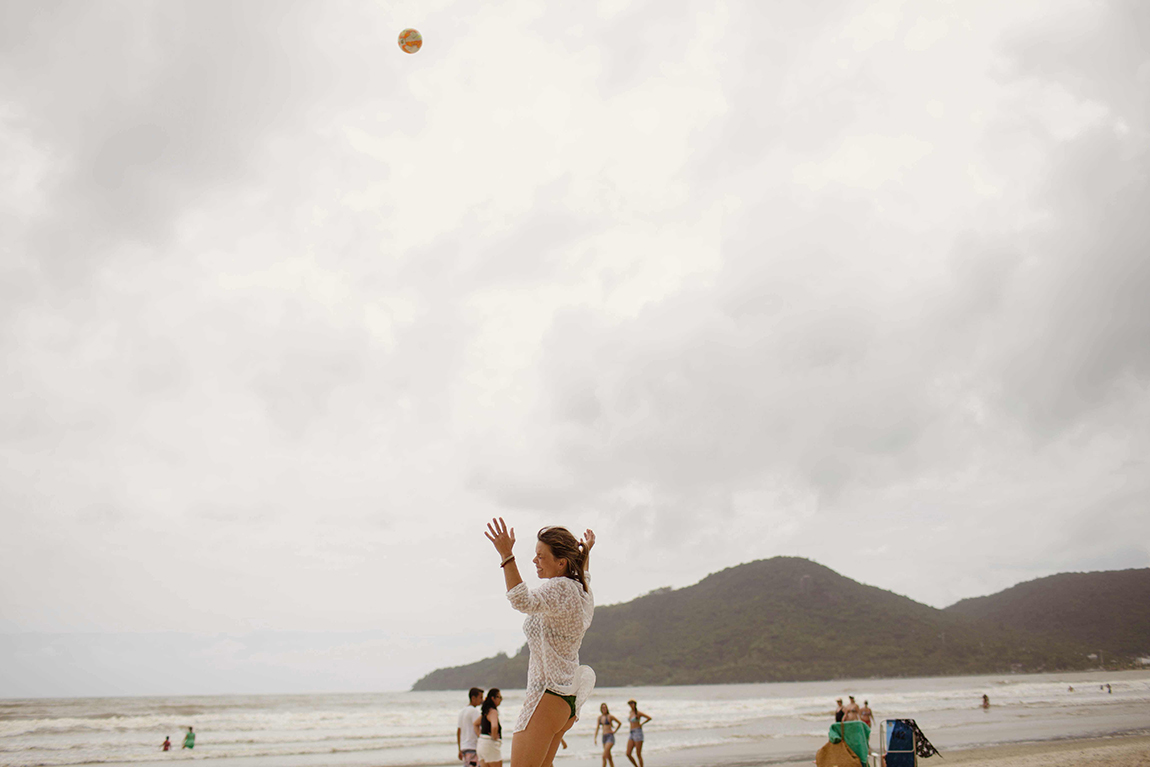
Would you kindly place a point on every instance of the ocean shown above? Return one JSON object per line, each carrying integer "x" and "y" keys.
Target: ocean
{"x": 705, "y": 724}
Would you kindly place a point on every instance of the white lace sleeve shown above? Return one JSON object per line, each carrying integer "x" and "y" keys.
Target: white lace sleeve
{"x": 554, "y": 596}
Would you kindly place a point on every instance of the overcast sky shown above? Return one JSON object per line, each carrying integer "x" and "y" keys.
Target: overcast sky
{"x": 286, "y": 314}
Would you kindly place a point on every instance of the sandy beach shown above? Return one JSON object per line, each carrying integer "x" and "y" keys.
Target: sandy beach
{"x": 1118, "y": 751}
{"x": 1132, "y": 751}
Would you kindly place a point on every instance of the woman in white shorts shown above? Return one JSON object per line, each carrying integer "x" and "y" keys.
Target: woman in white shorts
{"x": 490, "y": 746}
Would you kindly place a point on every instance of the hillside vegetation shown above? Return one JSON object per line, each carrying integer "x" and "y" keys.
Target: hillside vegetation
{"x": 782, "y": 619}
{"x": 1107, "y": 612}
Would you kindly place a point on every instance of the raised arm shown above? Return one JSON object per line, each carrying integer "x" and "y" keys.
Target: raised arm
{"x": 504, "y": 542}
{"x": 588, "y": 542}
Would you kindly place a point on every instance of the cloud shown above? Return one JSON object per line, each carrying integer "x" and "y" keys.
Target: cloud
{"x": 832, "y": 353}
{"x": 287, "y": 313}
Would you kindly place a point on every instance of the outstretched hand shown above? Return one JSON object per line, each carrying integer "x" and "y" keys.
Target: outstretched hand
{"x": 502, "y": 538}
{"x": 588, "y": 539}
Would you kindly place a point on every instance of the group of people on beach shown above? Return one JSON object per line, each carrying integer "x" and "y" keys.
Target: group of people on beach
{"x": 610, "y": 725}
{"x": 852, "y": 712}
{"x": 479, "y": 733}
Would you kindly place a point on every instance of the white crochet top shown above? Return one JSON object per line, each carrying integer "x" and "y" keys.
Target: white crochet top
{"x": 558, "y": 614}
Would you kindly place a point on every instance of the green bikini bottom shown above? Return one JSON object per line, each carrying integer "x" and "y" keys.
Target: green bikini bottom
{"x": 569, "y": 698}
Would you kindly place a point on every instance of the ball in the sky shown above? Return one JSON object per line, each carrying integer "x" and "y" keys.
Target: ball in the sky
{"x": 410, "y": 40}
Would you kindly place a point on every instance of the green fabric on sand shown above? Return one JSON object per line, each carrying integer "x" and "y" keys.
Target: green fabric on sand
{"x": 858, "y": 738}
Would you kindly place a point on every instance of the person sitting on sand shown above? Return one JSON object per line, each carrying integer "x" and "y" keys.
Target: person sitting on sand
{"x": 851, "y": 712}
{"x": 635, "y": 737}
{"x": 609, "y": 724}
{"x": 189, "y": 740}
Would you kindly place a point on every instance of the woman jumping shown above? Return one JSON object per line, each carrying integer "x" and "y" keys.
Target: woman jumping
{"x": 558, "y": 614}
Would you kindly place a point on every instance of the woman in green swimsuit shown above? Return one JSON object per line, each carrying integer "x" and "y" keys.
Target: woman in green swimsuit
{"x": 558, "y": 614}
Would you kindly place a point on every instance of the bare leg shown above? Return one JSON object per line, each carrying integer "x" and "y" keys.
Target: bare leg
{"x": 607, "y": 758}
{"x": 556, "y": 742}
{"x": 536, "y": 745}
{"x": 639, "y": 752}
{"x": 630, "y": 748}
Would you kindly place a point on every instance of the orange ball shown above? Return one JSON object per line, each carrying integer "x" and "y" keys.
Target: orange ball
{"x": 410, "y": 40}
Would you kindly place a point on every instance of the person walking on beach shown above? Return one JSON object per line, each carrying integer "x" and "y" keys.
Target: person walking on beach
{"x": 866, "y": 715}
{"x": 189, "y": 740}
{"x": 167, "y": 745}
{"x": 851, "y": 712}
{"x": 465, "y": 737}
{"x": 635, "y": 737}
{"x": 558, "y": 614}
{"x": 609, "y": 724}
{"x": 489, "y": 731}
{"x": 839, "y": 713}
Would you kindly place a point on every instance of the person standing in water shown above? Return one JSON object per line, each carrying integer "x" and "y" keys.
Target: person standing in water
{"x": 866, "y": 715}
{"x": 189, "y": 740}
{"x": 167, "y": 744}
{"x": 635, "y": 737}
{"x": 609, "y": 724}
{"x": 839, "y": 710}
{"x": 489, "y": 731}
{"x": 558, "y": 614}
{"x": 985, "y": 700}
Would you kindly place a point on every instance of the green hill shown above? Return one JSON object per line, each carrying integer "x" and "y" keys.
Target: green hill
{"x": 1107, "y": 611}
{"x": 781, "y": 619}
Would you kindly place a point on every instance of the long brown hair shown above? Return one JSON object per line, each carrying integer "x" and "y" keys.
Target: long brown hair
{"x": 564, "y": 545}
